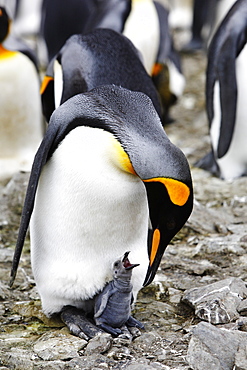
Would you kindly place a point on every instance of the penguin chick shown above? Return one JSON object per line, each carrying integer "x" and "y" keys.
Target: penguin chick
{"x": 113, "y": 305}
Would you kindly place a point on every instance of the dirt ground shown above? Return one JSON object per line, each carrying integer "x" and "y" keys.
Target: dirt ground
{"x": 210, "y": 247}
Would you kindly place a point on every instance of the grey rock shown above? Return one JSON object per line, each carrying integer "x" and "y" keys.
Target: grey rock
{"x": 146, "y": 340}
{"x": 49, "y": 365}
{"x": 207, "y": 220}
{"x": 89, "y": 362}
{"x": 242, "y": 307}
{"x": 213, "y": 348}
{"x": 58, "y": 345}
{"x": 241, "y": 357}
{"x": 217, "y": 302}
{"x": 144, "y": 366}
{"x": 101, "y": 343}
{"x": 4, "y": 291}
{"x": 119, "y": 353}
{"x": 17, "y": 358}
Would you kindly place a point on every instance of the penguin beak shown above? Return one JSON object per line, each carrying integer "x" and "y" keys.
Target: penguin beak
{"x": 126, "y": 263}
{"x": 132, "y": 266}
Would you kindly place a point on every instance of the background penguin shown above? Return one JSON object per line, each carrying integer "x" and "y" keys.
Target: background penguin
{"x": 86, "y": 61}
{"x": 226, "y": 89}
{"x": 112, "y": 309}
{"x": 144, "y": 22}
{"x": 105, "y": 166}
{"x": 58, "y": 22}
{"x": 167, "y": 72}
{"x": 20, "y": 107}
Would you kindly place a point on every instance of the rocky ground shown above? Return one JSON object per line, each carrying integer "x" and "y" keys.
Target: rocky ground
{"x": 186, "y": 328}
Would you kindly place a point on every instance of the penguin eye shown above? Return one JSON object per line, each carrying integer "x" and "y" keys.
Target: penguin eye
{"x": 116, "y": 264}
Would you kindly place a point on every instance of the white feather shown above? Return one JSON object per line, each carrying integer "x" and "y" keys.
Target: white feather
{"x": 87, "y": 213}
{"x": 20, "y": 114}
{"x": 142, "y": 28}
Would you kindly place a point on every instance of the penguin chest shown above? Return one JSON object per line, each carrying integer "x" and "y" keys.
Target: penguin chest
{"x": 142, "y": 28}
{"x": 20, "y": 111}
{"x": 88, "y": 212}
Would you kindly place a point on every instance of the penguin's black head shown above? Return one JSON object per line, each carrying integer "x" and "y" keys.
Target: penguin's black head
{"x": 4, "y": 24}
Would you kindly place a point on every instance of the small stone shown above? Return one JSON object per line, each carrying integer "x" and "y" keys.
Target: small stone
{"x": 241, "y": 357}
{"x": 213, "y": 348}
{"x": 119, "y": 353}
{"x": 58, "y": 345}
{"x": 174, "y": 295}
{"x": 242, "y": 307}
{"x": 101, "y": 343}
{"x": 217, "y": 303}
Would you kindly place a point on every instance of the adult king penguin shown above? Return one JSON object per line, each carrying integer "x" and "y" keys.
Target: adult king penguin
{"x": 104, "y": 168}
{"x": 226, "y": 91}
{"x": 100, "y": 57}
{"x": 144, "y": 22}
{"x": 20, "y": 107}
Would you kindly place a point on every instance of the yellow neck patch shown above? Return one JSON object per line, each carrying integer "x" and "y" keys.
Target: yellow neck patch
{"x": 178, "y": 191}
{"x": 123, "y": 158}
{"x": 4, "y": 53}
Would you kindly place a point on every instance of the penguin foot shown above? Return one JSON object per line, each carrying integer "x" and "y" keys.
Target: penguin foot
{"x": 109, "y": 329}
{"x": 132, "y": 322}
{"x": 208, "y": 163}
{"x": 78, "y": 324}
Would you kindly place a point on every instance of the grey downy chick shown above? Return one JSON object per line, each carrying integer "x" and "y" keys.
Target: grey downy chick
{"x": 113, "y": 305}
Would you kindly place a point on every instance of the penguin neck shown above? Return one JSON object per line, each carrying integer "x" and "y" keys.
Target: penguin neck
{"x": 4, "y": 53}
{"x": 123, "y": 285}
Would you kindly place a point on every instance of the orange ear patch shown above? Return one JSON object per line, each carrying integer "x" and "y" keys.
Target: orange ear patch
{"x": 45, "y": 83}
{"x": 177, "y": 190}
{"x": 155, "y": 245}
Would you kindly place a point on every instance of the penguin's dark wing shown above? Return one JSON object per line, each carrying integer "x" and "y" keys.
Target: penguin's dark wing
{"x": 39, "y": 161}
{"x": 226, "y": 45}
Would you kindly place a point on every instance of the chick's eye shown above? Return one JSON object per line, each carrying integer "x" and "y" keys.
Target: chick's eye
{"x": 116, "y": 264}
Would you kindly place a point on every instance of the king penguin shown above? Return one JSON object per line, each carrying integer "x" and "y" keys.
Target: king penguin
{"x": 100, "y": 57}
{"x": 20, "y": 107}
{"x": 144, "y": 22}
{"x": 226, "y": 91}
{"x": 104, "y": 169}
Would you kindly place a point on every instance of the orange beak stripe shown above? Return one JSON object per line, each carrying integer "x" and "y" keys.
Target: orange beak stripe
{"x": 45, "y": 83}
{"x": 178, "y": 191}
{"x": 155, "y": 245}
